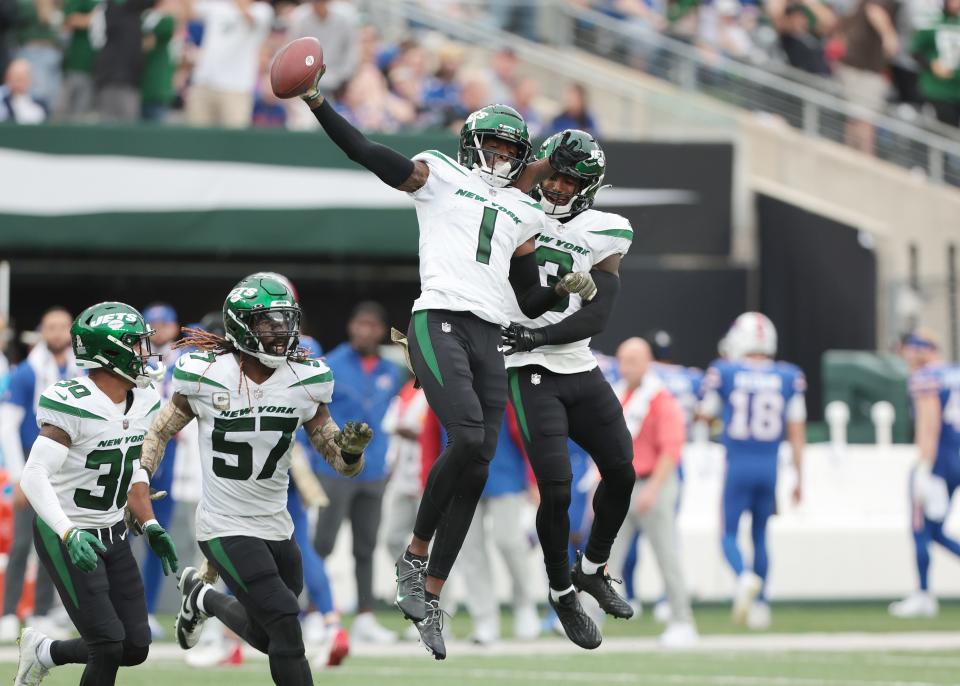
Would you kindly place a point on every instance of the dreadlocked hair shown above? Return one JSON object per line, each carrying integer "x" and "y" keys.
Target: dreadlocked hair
{"x": 204, "y": 340}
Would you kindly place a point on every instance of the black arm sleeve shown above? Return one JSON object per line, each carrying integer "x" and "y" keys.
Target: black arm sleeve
{"x": 390, "y": 166}
{"x": 590, "y": 319}
{"x": 533, "y": 298}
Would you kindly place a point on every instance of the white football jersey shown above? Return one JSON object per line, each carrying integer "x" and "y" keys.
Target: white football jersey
{"x": 246, "y": 433}
{"x": 468, "y": 233}
{"x": 575, "y": 246}
{"x": 105, "y": 444}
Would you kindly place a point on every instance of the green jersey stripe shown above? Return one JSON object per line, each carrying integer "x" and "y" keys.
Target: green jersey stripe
{"x": 440, "y": 155}
{"x": 52, "y": 544}
{"x": 319, "y": 378}
{"x": 190, "y": 376}
{"x": 154, "y": 408}
{"x": 616, "y": 233}
{"x": 220, "y": 555}
{"x": 514, "y": 379}
{"x": 535, "y": 205}
{"x": 422, "y": 333}
{"x": 49, "y": 404}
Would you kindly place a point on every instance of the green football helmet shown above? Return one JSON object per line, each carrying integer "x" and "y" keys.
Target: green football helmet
{"x": 497, "y": 121}
{"x": 114, "y": 336}
{"x": 588, "y": 172}
{"x": 261, "y": 316}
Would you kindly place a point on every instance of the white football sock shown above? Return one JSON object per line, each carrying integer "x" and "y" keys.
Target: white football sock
{"x": 556, "y": 594}
{"x": 203, "y": 592}
{"x": 43, "y": 653}
{"x": 589, "y": 567}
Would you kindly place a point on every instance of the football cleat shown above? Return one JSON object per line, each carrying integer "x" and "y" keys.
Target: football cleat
{"x": 29, "y": 670}
{"x": 576, "y": 623}
{"x": 411, "y": 574}
{"x": 189, "y": 619}
{"x": 918, "y": 604}
{"x": 340, "y": 648}
{"x": 431, "y": 629}
{"x": 749, "y": 586}
{"x": 600, "y": 586}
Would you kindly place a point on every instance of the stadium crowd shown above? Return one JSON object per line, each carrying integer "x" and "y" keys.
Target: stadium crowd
{"x": 204, "y": 62}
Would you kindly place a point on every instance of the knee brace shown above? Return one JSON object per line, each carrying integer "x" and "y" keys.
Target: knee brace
{"x": 554, "y": 496}
{"x": 286, "y": 639}
{"x": 134, "y": 655}
{"x": 467, "y": 440}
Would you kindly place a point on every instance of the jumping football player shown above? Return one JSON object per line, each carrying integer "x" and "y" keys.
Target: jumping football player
{"x": 935, "y": 390}
{"x": 760, "y": 400}
{"x": 250, "y": 391}
{"x": 559, "y": 391}
{"x": 476, "y": 231}
{"x": 77, "y": 478}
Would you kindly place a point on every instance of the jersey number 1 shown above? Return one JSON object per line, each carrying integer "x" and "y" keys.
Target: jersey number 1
{"x": 485, "y": 242}
{"x": 243, "y": 470}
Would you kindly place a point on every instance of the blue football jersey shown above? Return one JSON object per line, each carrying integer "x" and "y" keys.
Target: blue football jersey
{"x": 683, "y": 384}
{"x": 943, "y": 379}
{"x": 757, "y": 398}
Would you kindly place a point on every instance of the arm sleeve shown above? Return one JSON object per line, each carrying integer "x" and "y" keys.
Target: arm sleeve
{"x": 46, "y": 458}
{"x": 533, "y": 298}
{"x": 590, "y": 319}
{"x": 11, "y": 416}
{"x": 390, "y": 166}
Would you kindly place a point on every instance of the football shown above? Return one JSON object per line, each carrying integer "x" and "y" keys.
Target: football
{"x": 295, "y": 67}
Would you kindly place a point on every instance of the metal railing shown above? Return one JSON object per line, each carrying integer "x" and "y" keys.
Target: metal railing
{"x": 806, "y": 102}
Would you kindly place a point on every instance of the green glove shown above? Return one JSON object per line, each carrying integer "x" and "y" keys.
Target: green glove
{"x": 82, "y": 547}
{"x": 162, "y": 545}
{"x": 313, "y": 95}
{"x": 352, "y": 439}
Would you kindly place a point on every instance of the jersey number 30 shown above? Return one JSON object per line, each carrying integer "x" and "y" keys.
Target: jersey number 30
{"x": 757, "y": 416}
{"x": 114, "y": 482}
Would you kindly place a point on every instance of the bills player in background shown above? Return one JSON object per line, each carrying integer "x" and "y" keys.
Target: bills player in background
{"x": 162, "y": 318}
{"x": 935, "y": 391}
{"x": 761, "y": 401}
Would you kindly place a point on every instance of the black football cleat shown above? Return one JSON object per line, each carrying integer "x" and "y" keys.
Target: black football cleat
{"x": 575, "y": 621}
{"x": 431, "y": 629}
{"x": 411, "y": 574}
{"x": 600, "y": 586}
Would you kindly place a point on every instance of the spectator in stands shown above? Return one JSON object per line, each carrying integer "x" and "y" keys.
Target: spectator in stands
{"x": 370, "y": 106}
{"x": 937, "y": 49}
{"x": 77, "y": 90}
{"x": 656, "y": 422}
{"x": 16, "y": 102}
{"x": 336, "y": 25}
{"x": 728, "y": 27}
{"x": 120, "y": 62}
{"x": 871, "y": 37}
{"x": 802, "y": 26}
{"x": 474, "y": 94}
{"x": 37, "y": 34}
{"x": 497, "y": 524}
{"x": 225, "y": 75}
{"x": 50, "y": 361}
{"x": 156, "y": 85}
{"x": 366, "y": 383}
{"x": 8, "y": 20}
{"x": 442, "y": 90}
{"x": 576, "y": 112}
{"x": 523, "y": 99}
{"x": 503, "y": 75}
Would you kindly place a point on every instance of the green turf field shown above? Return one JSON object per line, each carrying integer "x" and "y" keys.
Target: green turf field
{"x": 713, "y": 668}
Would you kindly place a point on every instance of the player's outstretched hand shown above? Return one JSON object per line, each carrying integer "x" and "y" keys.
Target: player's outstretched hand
{"x": 132, "y": 524}
{"x": 162, "y": 545}
{"x": 567, "y": 154}
{"x": 517, "y": 338}
{"x": 313, "y": 93}
{"x": 353, "y": 438}
{"x": 580, "y": 283}
{"x": 82, "y": 547}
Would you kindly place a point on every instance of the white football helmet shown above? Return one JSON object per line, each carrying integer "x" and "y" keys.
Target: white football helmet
{"x": 751, "y": 334}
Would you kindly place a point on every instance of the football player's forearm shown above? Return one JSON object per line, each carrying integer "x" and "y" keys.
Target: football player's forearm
{"x": 323, "y": 439}
{"x": 797, "y": 437}
{"x": 928, "y": 426}
{"x": 139, "y": 503}
{"x": 533, "y": 298}
{"x": 46, "y": 458}
{"x": 533, "y": 174}
{"x": 169, "y": 420}
{"x": 591, "y": 318}
{"x": 390, "y": 166}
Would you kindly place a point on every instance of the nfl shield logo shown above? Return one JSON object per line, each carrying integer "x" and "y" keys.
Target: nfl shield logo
{"x": 445, "y": 327}
{"x": 535, "y": 379}
{"x": 221, "y": 400}
{"x": 126, "y": 424}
